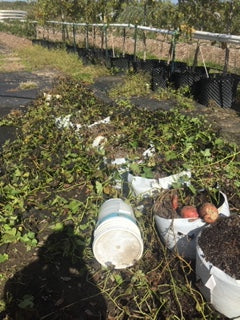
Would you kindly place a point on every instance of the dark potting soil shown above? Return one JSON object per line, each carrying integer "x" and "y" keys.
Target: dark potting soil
{"x": 220, "y": 244}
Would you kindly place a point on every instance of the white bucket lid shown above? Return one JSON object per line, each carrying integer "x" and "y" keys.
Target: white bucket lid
{"x": 117, "y": 243}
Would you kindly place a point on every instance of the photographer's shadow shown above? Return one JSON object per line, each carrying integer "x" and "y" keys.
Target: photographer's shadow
{"x": 57, "y": 286}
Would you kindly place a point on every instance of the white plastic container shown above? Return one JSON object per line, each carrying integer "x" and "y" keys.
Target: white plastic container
{"x": 180, "y": 233}
{"x": 218, "y": 288}
{"x": 117, "y": 238}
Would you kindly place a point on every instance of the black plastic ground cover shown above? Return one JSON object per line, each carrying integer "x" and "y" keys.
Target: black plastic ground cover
{"x": 120, "y": 64}
{"x": 12, "y": 97}
{"x": 48, "y": 43}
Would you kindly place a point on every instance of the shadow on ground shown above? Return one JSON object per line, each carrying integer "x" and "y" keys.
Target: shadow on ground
{"x": 57, "y": 286}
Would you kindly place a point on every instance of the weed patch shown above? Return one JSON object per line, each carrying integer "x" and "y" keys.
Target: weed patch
{"x": 36, "y": 58}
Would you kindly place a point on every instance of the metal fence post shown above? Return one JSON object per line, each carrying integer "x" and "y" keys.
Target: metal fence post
{"x": 135, "y": 43}
{"x": 87, "y": 40}
{"x": 124, "y": 41}
{"x": 74, "y": 37}
{"x": 106, "y": 40}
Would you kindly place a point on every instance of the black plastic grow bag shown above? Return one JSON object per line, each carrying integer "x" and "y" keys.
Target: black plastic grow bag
{"x": 147, "y": 65}
{"x": 120, "y": 64}
{"x": 159, "y": 78}
{"x": 86, "y": 55}
{"x": 71, "y": 48}
{"x": 177, "y": 66}
{"x": 221, "y": 89}
{"x": 186, "y": 78}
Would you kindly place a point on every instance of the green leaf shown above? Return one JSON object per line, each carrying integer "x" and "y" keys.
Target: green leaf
{"x": 29, "y": 239}
{"x": 206, "y": 153}
{"x": 27, "y": 302}
{"x": 192, "y": 188}
{"x": 59, "y": 200}
{"x": 99, "y": 187}
{"x": 3, "y": 257}
{"x": 17, "y": 173}
{"x": 148, "y": 172}
{"x": 57, "y": 227}
{"x": 10, "y": 235}
{"x": 170, "y": 155}
{"x": 219, "y": 142}
{"x": 74, "y": 206}
{"x": 135, "y": 168}
{"x": 118, "y": 278}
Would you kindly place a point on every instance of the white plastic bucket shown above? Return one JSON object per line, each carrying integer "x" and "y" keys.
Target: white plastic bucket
{"x": 218, "y": 288}
{"x": 181, "y": 233}
{"x": 117, "y": 238}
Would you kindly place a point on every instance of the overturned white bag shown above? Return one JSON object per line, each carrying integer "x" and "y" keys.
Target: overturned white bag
{"x": 180, "y": 233}
{"x": 218, "y": 288}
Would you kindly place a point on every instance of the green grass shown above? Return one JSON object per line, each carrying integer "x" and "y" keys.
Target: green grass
{"x": 28, "y": 85}
{"x": 37, "y": 58}
{"x": 133, "y": 85}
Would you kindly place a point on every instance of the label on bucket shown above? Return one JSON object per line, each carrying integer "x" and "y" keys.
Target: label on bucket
{"x": 114, "y": 215}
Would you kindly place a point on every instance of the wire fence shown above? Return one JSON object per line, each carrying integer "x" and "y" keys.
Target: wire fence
{"x": 187, "y": 45}
{"x": 125, "y": 47}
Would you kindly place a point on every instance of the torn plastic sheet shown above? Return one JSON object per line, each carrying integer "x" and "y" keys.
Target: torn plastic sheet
{"x": 149, "y": 152}
{"x": 144, "y": 186}
{"x": 65, "y": 122}
{"x": 218, "y": 288}
{"x": 99, "y": 141}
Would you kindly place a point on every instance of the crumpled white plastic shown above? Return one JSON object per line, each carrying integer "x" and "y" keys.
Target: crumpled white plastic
{"x": 64, "y": 122}
{"x": 145, "y": 186}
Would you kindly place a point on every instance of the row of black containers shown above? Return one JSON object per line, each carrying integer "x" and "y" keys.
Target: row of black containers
{"x": 204, "y": 86}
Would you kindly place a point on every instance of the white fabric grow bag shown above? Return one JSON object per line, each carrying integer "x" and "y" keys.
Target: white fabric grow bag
{"x": 218, "y": 288}
{"x": 180, "y": 233}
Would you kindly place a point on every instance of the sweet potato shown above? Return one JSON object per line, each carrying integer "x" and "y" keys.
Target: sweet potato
{"x": 189, "y": 212}
{"x": 175, "y": 201}
{"x": 208, "y": 212}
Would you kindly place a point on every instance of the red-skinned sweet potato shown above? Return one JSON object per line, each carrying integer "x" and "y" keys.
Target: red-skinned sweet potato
{"x": 189, "y": 212}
